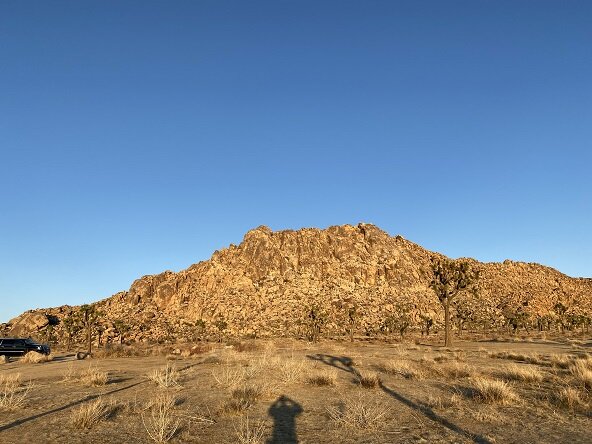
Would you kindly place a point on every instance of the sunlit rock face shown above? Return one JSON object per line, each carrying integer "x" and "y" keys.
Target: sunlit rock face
{"x": 264, "y": 286}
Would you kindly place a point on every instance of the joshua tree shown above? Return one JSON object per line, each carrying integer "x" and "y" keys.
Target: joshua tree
{"x": 49, "y": 333}
{"x": 560, "y": 311}
{"x": 89, "y": 316}
{"x": 72, "y": 326}
{"x": 427, "y": 323}
{"x": 221, "y": 325}
{"x": 352, "y": 320}
{"x": 200, "y": 328}
{"x": 121, "y": 328}
{"x": 400, "y": 320}
{"x": 449, "y": 279}
{"x": 315, "y": 320}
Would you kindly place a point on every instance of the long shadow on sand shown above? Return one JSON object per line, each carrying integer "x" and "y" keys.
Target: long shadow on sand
{"x": 21, "y": 421}
{"x": 346, "y": 364}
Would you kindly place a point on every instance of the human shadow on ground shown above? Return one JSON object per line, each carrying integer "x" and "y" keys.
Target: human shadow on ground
{"x": 346, "y": 364}
{"x": 284, "y": 411}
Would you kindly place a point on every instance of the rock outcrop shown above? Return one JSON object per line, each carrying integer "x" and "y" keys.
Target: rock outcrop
{"x": 264, "y": 287}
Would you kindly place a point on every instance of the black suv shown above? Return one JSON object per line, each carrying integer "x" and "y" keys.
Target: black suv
{"x": 19, "y": 347}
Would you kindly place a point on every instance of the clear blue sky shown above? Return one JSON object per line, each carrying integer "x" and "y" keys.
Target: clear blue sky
{"x": 141, "y": 136}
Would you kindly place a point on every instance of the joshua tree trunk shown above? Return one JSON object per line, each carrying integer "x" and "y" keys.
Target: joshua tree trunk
{"x": 447, "y": 335}
{"x": 88, "y": 332}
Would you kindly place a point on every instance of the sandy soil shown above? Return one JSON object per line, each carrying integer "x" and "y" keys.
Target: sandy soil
{"x": 430, "y": 403}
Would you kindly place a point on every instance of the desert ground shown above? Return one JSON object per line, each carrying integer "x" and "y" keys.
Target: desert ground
{"x": 528, "y": 390}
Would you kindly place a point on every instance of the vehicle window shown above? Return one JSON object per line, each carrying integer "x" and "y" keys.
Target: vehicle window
{"x": 7, "y": 342}
{"x": 30, "y": 342}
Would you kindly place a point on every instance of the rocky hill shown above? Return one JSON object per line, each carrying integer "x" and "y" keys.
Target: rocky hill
{"x": 266, "y": 285}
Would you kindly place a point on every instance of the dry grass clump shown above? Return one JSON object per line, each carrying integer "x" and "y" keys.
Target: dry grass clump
{"x": 4, "y": 359}
{"x": 359, "y": 413}
{"x": 521, "y": 373}
{"x": 569, "y": 398}
{"x": 69, "y": 373}
{"x": 493, "y": 390}
{"x": 581, "y": 370}
{"x": 160, "y": 422}
{"x": 530, "y": 359}
{"x": 291, "y": 370}
{"x": 560, "y": 361}
{"x": 165, "y": 377}
{"x": 93, "y": 377}
{"x": 443, "y": 402}
{"x": 228, "y": 377}
{"x": 36, "y": 358}
{"x": 247, "y": 433}
{"x": 242, "y": 398}
{"x": 322, "y": 378}
{"x": 401, "y": 367}
{"x": 13, "y": 394}
{"x": 456, "y": 370}
{"x": 90, "y": 413}
{"x": 368, "y": 380}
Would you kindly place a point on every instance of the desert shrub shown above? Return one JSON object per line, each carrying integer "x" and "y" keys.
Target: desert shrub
{"x": 522, "y": 357}
{"x": 228, "y": 377}
{"x": 368, "y": 380}
{"x": 493, "y": 391}
{"x": 13, "y": 393}
{"x": 455, "y": 370}
{"x": 290, "y": 370}
{"x": 322, "y": 378}
{"x": 359, "y": 413}
{"x": 243, "y": 398}
{"x": 249, "y": 433}
{"x": 560, "y": 361}
{"x": 36, "y": 358}
{"x": 165, "y": 377}
{"x": 160, "y": 421}
{"x": 93, "y": 377}
{"x": 402, "y": 367}
{"x": 4, "y": 359}
{"x": 569, "y": 397}
{"x": 521, "y": 373}
{"x": 90, "y": 413}
{"x": 443, "y": 402}
{"x": 581, "y": 370}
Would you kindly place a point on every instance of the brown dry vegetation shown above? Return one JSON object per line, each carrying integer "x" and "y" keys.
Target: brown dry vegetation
{"x": 292, "y": 391}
